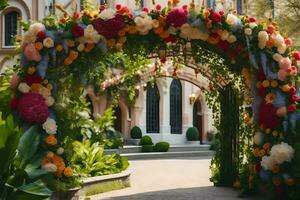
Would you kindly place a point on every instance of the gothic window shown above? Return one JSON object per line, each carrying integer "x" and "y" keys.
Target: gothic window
{"x": 176, "y": 107}
{"x": 10, "y": 27}
{"x": 152, "y": 109}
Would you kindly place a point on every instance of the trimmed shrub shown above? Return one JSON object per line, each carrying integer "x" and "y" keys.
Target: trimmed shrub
{"x": 147, "y": 148}
{"x": 146, "y": 140}
{"x": 161, "y": 147}
{"x": 136, "y": 133}
{"x": 192, "y": 134}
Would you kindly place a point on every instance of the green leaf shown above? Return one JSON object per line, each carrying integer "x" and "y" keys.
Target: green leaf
{"x": 37, "y": 188}
{"x": 29, "y": 143}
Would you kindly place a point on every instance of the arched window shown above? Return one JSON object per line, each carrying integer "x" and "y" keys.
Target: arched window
{"x": 10, "y": 27}
{"x": 152, "y": 109}
{"x": 176, "y": 107}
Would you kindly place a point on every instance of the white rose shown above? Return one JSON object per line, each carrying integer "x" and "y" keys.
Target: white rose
{"x": 90, "y": 35}
{"x": 24, "y": 88}
{"x": 60, "y": 151}
{"x": 143, "y": 24}
{"x": 49, "y": 167}
{"x": 282, "y": 48}
{"x": 225, "y": 34}
{"x": 50, "y": 101}
{"x": 252, "y": 25}
{"x": 231, "y": 19}
{"x": 80, "y": 47}
{"x": 231, "y": 39}
{"x": 48, "y": 42}
{"x": 50, "y": 126}
{"x": 248, "y": 31}
{"x": 263, "y": 36}
{"x": 277, "y": 57}
{"x": 107, "y": 14}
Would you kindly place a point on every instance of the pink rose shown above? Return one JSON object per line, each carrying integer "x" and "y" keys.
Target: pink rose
{"x": 288, "y": 42}
{"x": 285, "y": 63}
{"x": 282, "y": 74}
{"x": 31, "y": 53}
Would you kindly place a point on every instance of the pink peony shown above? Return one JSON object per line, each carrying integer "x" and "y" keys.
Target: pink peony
{"x": 109, "y": 28}
{"x": 14, "y": 81}
{"x": 285, "y": 63}
{"x": 271, "y": 29}
{"x": 177, "y": 17}
{"x": 31, "y": 53}
{"x": 32, "y": 108}
{"x": 268, "y": 116}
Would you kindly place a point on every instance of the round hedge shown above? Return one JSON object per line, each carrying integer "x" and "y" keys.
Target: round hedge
{"x": 192, "y": 134}
{"x": 161, "y": 147}
{"x": 146, "y": 140}
{"x": 136, "y": 133}
{"x": 147, "y": 148}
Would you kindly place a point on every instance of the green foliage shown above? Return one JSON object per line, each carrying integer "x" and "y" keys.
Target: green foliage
{"x": 147, "y": 148}
{"x": 5, "y": 93}
{"x": 146, "y": 140}
{"x": 136, "y": 133}
{"x": 3, "y": 4}
{"x": 192, "y": 134}
{"x": 161, "y": 147}
{"x": 87, "y": 159}
{"x": 215, "y": 143}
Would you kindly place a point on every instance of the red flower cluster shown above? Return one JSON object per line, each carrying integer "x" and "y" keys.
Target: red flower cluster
{"x": 77, "y": 31}
{"x": 267, "y": 116}
{"x": 177, "y": 17}
{"x": 32, "y": 108}
{"x": 41, "y": 35}
{"x": 30, "y": 79}
{"x": 109, "y": 28}
{"x": 216, "y": 17}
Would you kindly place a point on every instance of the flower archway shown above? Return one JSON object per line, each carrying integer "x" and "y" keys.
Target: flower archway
{"x": 78, "y": 49}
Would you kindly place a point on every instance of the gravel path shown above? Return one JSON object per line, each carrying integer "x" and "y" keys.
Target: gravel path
{"x": 170, "y": 179}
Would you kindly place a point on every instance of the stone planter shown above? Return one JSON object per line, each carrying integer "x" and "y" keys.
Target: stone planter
{"x": 133, "y": 141}
{"x": 193, "y": 142}
{"x": 96, "y": 185}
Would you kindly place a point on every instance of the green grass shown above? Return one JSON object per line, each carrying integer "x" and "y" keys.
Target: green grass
{"x": 106, "y": 187}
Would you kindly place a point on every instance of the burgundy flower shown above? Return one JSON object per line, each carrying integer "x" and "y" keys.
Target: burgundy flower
{"x": 32, "y": 108}
{"x": 171, "y": 39}
{"x": 109, "y": 28}
{"x": 267, "y": 116}
{"x": 291, "y": 108}
{"x": 262, "y": 92}
{"x": 279, "y": 191}
{"x": 223, "y": 45}
{"x": 30, "y": 79}
{"x": 77, "y": 31}
{"x": 292, "y": 90}
{"x": 177, "y": 17}
{"x": 258, "y": 167}
{"x": 13, "y": 103}
{"x": 41, "y": 35}
{"x": 261, "y": 75}
{"x": 216, "y": 17}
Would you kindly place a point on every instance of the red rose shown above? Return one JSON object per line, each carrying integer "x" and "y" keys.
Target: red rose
{"x": 221, "y": 12}
{"x": 109, "y": 28}
{"x": 292, "y": 108}
{"x": 223, "y": 45}
{"x": 238, "y": 49}
{"x": 30, "y": 79}
{"x": 252, "y": 19}
{"x": 268, "y": 117}
{"x": 158, "y": 7}
{"x": 296, "y": 55}
{"x": 146, "y": 10}
{"x": 13, "y": 103}
{"x": 216, "y": 17}
{"x": 118, "y": 6}
{"x": 41, "y": 35}
{"x": 292, "y": 90}
{"x": 77, "y": 31}
{"x": 295, "y": 98}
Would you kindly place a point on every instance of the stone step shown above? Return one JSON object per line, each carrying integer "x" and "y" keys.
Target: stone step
{"x": 170, "y": 155}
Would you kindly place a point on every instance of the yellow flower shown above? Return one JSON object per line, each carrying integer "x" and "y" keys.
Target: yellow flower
{"x": 45, "y": 82}
{"x": 270, "y": 98}
{"x": 274, "y": 83}
{"x": 258, "y": 84}
{"x": 48, "y": 42}
{"x": 31, "y": 70}
{"x": 285, "y": 88}
{"x": 71, "y": 43}
{"x": 206, "y": 13}
{"x": 266, "y": 83}
{"x": 118, "y": 46}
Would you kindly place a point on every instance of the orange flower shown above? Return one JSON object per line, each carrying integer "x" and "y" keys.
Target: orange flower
{"x": 270, "y": 98}
{"x": 285, "y": 88}
{"x": 35, "y": 86}
{"x": 266, "y": 83}
{"x": 111, "y": 42}
{"x": 164, "y": 34}
{"x": 206, "y": 13}
{"x": 49, "y": 86}
{"x": 261, "y": 153}
{"x": 256, "y": 152}
{"x": 121, "y": 33}
{"x": 68, "y": 171}
{"x": 59, "y": 48}
{"x": 267, "y": 146}
{"x": 213, "y": 40}
{"x": 31, "y": 70}
{"x": 132, "y": 29}
{"x": 290, "y": 181}
{"x": 258, "y": 85}
{"x": 159, "y": 30}
{"x": 270, "y": 44}
{"x": 73, "y": 55}
{"x": 68, "y": 61}
{"x": 51, "y": 140}
{"x": 45, "y": 82}
{"x": 39, "y": 45}
{"x": 89, "y": 47}
{"x": 118, "y": 46}
{"x": 274, "y": 83}
{"x": 56, "y": 160}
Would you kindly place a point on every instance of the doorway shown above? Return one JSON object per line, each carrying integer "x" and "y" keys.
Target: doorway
{"x": 198, "y": 119}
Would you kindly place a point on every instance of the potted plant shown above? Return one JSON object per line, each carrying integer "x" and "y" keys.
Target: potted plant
{"x": 192, "y": 136}
{"x": 136, "y": 135}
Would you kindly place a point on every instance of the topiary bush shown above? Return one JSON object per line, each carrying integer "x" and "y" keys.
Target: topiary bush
{"x": 161, "y": 147}
{"x": 146, "y": 140}
{"x": 136, "y": 133}
{"x": 192, "y": 134}
{"x": 147, "y": 148}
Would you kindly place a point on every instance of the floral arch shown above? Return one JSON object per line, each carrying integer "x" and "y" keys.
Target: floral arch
{"x": 79, "y": 49}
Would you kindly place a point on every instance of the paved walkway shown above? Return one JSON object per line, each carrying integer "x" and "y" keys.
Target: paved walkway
{"x": 170, "y": 179}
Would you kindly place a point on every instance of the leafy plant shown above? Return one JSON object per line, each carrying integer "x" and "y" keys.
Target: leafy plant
{"x": 147, "y": 148}
{"x": 161, "y": 147}
{"x": 192, "y": 134}
{"x": 146, "y": 140}
{"x": 136, "y": 133}
{"x": 3, "y": 4}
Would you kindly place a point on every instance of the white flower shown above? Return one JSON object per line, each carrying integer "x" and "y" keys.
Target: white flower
{"x": 143, "y": 24}
{"x": 28, "y": 38}
{"x": 107, "y": 14}
{"x": 48, "y": 42}
{"x": 248, "y": 31}
{"x": 189, "y": 32}
{"x": 50, "y": 101}
{"x": 225, "y": 34}
{"x": 278, "y": 39}
{"x": 24, "y": 88}
{"x": 262, "y": 44}
{"x": 50, "y": 126}
{"x": 60, "y": 151}
{"x": 49, "y": 167}
{"x": 282, "y": 48}
{"x": 80, "y": 47}
{"x": 36, "y": 27}
{"x": 263, "y": 36}
{"x": 267, "y": 163}
{"x": 277, "y": 57}
{"x": 231, "y": 19}
{"x": 90, "y": 35}
{"x": 231, "y": 39}
{"x": 155, "y": 23}
{"x": 45, "y": 92}
{"x": 252, "y": 25}
{"x": 258, "y": 138}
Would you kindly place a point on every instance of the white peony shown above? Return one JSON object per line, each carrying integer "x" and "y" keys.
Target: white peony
{"x": 60, "y": 151}
{"x": 258, "y": 138}
{"x": 48, "y": 42}
{"x": 277, "y": 57}
{"x": 49, "y": 167}
{"x": 143, "y": 23}
{"x": 90, "y": 35}
{"x": 231, "y": 19}
{"x": 231, "y": 39}
{"x": 24, "y": 88}
{"x": 252, "y": 25}
{"x": 50, "y": 126}
{"x": 248, "y": 31}
{"x": 50, "y": 101}
{"x": 107, "y": 14}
